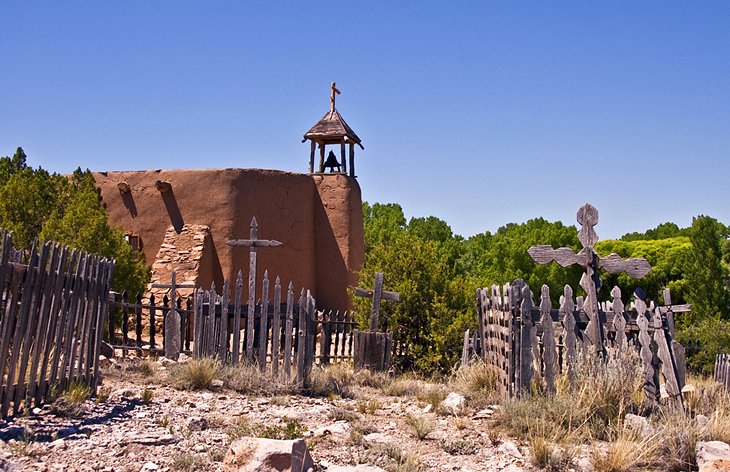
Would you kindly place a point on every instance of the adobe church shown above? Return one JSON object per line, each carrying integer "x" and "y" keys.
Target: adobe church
{"x": 182, "y": 219}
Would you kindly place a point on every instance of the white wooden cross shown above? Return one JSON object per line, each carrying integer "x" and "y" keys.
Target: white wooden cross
{"x": 588, "y": 259}
{"x": 377, "y": 294}
{"x": 253, "y": 242}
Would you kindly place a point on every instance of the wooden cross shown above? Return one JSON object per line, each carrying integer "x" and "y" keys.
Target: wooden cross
{"x": 173, "y": 340}
{"x": 254, "y": 242}
{"x": 587, "y": 258}
{"x": 377, "y": 294}
{"x": 174, "y": 285}
{"x": 332, "y": 97}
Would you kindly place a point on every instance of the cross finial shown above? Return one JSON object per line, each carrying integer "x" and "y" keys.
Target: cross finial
{"x": 332, "y": 97}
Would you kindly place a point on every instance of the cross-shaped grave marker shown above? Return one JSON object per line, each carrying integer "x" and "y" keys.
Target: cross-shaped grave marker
{"x": 587, "y": 258}
{"x": 372, "y": 348}
{"x": 253, "y": 242}
{"x": 172, "y": 321}
{"x": 377, "y": 294}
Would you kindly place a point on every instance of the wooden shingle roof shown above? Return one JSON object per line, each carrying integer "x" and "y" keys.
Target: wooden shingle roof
{"x": 331, "y": 129}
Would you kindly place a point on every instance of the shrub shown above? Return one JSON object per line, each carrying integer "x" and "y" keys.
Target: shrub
{"x": 476, "y": 381}
{"x": 248, "y": 379}
{"x": 420, "y": 426}
{"x": 336, "y": 379}
{"x": 195, "y": 374}
{"x": 626, "y": 453}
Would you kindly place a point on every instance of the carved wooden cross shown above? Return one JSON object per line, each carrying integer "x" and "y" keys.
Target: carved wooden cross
{"x": 253, "y": 243}
{"x": 332, "y": 97}
{"x": 172, "y": 321}
{"x": 587, "y": 258}
{"x": 377, "y": 294}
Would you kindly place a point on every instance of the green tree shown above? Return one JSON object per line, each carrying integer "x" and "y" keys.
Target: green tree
{"x": 502, "y": 257}
{"x": 706, "y": 273}
{"x": 82, "y": 223}
{"x": 36, "y": 204}
{"x": 429, "y": 320}
{"x": 667, "y": 258}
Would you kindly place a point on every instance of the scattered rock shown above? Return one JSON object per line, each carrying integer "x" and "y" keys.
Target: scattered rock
{"x": 702, "y": 420}
{"x": 165, "y": 361}
{"x": 639, "y": 425}
{"x": 338, "y": 428}
{"x": 509, "y": 448}
{"x": 197, "y": 423}
{"x": 453, "y": 403}
{"x": 354, "y": 468}
{"x": 713, "y": 456}
{"x": 376, "y": 438}
{"x": 216, "y": 384}
{"x": 264, "y": 455}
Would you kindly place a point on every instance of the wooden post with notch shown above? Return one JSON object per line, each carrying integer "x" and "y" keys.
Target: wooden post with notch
{"x": 373, "y": 348}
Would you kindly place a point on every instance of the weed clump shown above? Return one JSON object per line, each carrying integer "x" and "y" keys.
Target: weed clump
{"x": 195, "y": 374}
{"x": 420, "y": 426}
{"x": 70, "y": 403}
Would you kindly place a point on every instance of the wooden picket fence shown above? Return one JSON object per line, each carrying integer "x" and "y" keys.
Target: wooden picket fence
{"x": 722, "y": 370}
{"x": 51, "y": 320}
{"x": 525, "y": 343}
{"x": 137, "y": 326}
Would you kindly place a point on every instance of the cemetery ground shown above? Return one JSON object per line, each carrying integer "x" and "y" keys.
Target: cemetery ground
{"x": 154, "y": 414}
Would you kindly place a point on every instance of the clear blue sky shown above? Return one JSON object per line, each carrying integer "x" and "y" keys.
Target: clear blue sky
{"x": 480, "y": 113}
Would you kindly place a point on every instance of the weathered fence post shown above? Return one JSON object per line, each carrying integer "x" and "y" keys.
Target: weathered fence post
{"x": 372, "y": 348}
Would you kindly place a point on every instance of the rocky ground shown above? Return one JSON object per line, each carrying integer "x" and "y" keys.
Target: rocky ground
{"x": 146, "y": 425}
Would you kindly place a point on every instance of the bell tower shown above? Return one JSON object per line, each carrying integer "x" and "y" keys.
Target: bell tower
{"x": 332, "y": 130}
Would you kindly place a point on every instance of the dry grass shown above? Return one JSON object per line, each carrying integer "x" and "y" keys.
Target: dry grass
{"x": 368, "y": 405}
{"x": 341, "y": 414}
{"x": 420, "y": 426}
{"x": 405, "y": 386}
{"x": 477, "y": 382}
{"x": 248, "y": 379}
{"x": 188, "y": 462}
{"x": 404, "y": 461}
{"x": 605, "y": 392}
{"x": 195, "y": 374}
{"x": 333, "y": 380}
{"x": 627, "y": 453}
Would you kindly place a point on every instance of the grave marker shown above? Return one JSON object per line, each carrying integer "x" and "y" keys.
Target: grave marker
{"x": 173, "y": 339}
{"x": 253, "y": 242}
{"x": 588, "y": 259}
{"x": 372, "y": 348}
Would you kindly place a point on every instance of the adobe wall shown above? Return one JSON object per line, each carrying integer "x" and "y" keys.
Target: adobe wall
{"x": 318, "y": 218}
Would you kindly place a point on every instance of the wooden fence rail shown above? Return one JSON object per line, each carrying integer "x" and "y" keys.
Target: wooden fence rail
{"x": 139, "y": 327}
{"x": 51, "y": 320}
{"x": 527, "y": 343}
{"x": 722, "y": 370}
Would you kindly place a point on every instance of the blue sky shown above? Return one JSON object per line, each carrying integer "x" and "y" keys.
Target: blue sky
{"x": 480, "y": 113}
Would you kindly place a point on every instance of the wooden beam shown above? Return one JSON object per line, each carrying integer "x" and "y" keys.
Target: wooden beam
{"x": 321, "y": 158}
{"x": 163, "y": 186}
{"x": 352, "y": 159}
{"x": 342, "y": 155}
{"x": 311, "y": 158}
